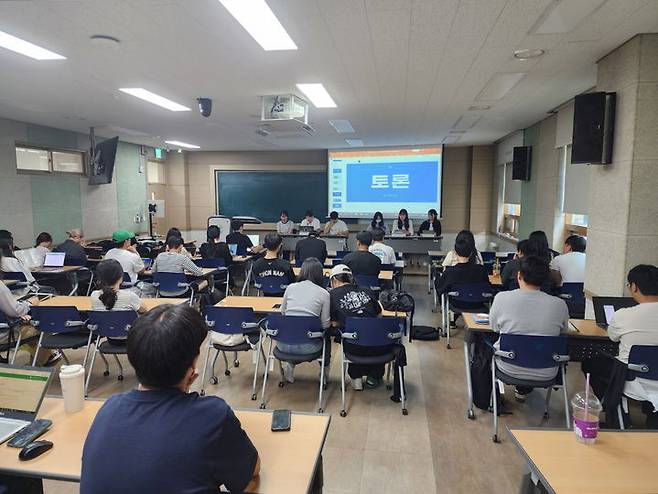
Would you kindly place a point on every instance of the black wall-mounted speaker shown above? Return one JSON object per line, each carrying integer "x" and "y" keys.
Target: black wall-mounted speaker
{"x": 593, "y": 128}
{"x": 521, "y": 163}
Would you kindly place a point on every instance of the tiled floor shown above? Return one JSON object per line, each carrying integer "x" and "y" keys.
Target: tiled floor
{"x": 435, "y": 449}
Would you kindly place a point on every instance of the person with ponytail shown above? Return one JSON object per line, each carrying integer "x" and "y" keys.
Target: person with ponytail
{"x": 402, "y": 225}
{"x": 110, "y": 296}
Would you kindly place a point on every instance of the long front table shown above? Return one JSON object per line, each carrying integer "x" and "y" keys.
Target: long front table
{"x": 292, "y": 472}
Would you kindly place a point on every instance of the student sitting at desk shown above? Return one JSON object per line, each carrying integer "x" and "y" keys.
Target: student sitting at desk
{"x": 432, "y": 224}
{"x": 214, "y": 248}
{"x": 335, "y": 226}
{"x": 126, "y": 254}
{"x": 175, "y": 232}
{"x": 349, "y": 300}
{"x": 403, "y": 225}
{"x": 511, "y": 270}
{"x": 363, "y": 262}
{"x": 529, "y": 311}
{"x": 539, "y": 243}
{"x": 173, "y": 260}
{"x": 385, "y": 252}
{"x": 160, "y": 437}
{"x": 378, "y": 222}
{"x": 284, "y": 225}
{"x": 73, "y": 247}
{"x": 42, "y": 246}
{"x": 570, "y": 266}
{"x": 271, "y": 265}
{"x": 307, "y": 297}
{"x": 237, "y": 237}
{"x": 636, "y": 325}
{"x": 310, "y": 220}
{"x": 9, "y": 263}
{"x": 311, "y": 246}
{"x": 452, "y": 259}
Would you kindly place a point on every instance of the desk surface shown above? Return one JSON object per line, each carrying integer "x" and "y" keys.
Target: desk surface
{"x": 291, "y": 472}
{"x": 206, "y": 272}
{"x": 62, "y": 270}
{"x": 577, "y": 327}
{"x": 9, "y": 282}
{"x": 84, "y": 303}
{"x": 619, "y": 462}
{"x": 383, "y": 275}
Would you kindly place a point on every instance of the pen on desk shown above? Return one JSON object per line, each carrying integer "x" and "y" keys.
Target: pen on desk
{"x": 574, "y": 327}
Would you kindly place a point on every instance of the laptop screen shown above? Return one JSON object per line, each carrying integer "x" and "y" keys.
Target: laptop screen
{"x": 22, "y": 388}
{"x": 233, "y": 248}
{"x": 147, "y": 262}
{"x": 605, "y": 307}
{"x": 609, "y": 311}
{"x": 255, "y": 239}
{"x": 54, "y": 260}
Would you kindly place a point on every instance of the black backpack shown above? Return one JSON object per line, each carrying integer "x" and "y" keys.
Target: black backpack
{"x": 481, "y": 374}
{"x": 397, "y": 301}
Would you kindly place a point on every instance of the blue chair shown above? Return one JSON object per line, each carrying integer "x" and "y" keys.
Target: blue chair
{"x": 371, "y": 332}
{"x": 293, "y": 330}
{"x": 336, "y": 261}
{"x": 173, "y": 285}
{"x": 368, "y": 281}
{"x": 222, "y": 275}
{"x": 573, "y": 295}
{"x": 531, "y": 352}
{"x": 341, "y": 253}
{"x": 60, "y": 328}
{"x": 476, "y": 296}
{"x": 231, "y": 320}
{"x": 270, "y": 286}
{"x": 21, "y": 280}
{"x": 643, "y": 363}
{"x": 109, "y": 324}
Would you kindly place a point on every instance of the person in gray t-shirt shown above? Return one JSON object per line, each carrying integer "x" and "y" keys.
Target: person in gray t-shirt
{"x": 528, "y": 311}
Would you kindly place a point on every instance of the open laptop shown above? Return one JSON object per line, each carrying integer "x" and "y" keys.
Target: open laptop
{"x": 21, "y": 392}
{"x": 233, "y": 248}
{"x": 147, "y": 262}
{"x": 54, "y": 261}
{"x": 255, "y": 239}
{"x": 605, "y": 307}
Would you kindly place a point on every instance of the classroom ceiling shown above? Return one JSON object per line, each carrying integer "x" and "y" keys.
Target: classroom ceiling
{"x": 401, "y": 71}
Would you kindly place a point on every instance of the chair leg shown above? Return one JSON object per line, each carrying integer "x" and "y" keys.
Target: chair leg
{"x": 66, "y": 359}
{"x": 203, "y": 372}
{"x": 213, "y": 376}
{"x": 320, "y": 409}
{"x": 565, "y": 395}
{"x": 494, "y": 397}
{"x": 343, "y": 368}
{"x": 259, "y": 350}
{"x": 236, "y": 362}
{"x": 403, "y": 394}
{"x": 36, "y": 352}
{"x": 227, "y": 372}
{"x": 388, "y": 375}
{"x": 107, "y": 365}
{"x": 16, "y": 347}
{"x": 84, "y": 361}
{"x": 120, "y": 376}
{"x": 91, "y": 367}
{"x": 469, "y": 384}
{"x": 267, "y": 368}
{"x": 620, "y": 417}
{"x": 547, "y": 402}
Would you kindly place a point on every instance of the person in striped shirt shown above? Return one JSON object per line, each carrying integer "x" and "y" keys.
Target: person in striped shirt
{"x": 174, "y": 261}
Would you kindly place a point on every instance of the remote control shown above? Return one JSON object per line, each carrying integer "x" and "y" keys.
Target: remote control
{"x": 29, "y": 433}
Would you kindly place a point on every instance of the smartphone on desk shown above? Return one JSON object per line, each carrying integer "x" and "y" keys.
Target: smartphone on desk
{"x": 276, "y": 306}
{"x": 280, "y": 420}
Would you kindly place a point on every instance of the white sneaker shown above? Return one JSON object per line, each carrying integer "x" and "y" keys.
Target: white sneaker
{"x": 357, "y": 384}
{"x": 288, "y": 372}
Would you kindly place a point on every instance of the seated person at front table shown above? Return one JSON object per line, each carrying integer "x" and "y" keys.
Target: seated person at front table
{"x": 284, "y": 225}
{"x": 43, "y": 245}
{"x": 160, "y": 437}
{"x": 363, "y": 262}
{"x": 451, "y": 259}
{"x": 238, "y": 237}
{"x": 570, "y": 266}
{"x": 385, "y": 252}
{"x": 402, "y": 225}
{"x": 173, "y": 260}
{"x": 73, "y": 247}
{"x": 126, "y": 254}
{"x": 335, "y": 226}
{"x": 349, "y": 300}
{"x": 311, "y": 246}
{"x": 511, "y": 269}
{"x": 431, "y": 225}
{"x": 632, "y": 326}
{"x": 214, "y": 248}
{"x": 310, "y": 220}
{"x": 529, "y": 311}
{"x": 378, "y": 222}
{"x": 307, "y": 297}
{"x": 271, "y": 265}
{"x": 9, "y": 263}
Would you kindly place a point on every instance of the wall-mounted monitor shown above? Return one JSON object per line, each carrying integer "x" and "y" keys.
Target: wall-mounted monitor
{"x": 101, "y": 164}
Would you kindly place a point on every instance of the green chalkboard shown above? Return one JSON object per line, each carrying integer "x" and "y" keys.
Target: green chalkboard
{"x": 265, "y": 194}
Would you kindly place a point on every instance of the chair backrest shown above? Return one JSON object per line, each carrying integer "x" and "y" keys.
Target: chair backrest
{"x": 488, "y": 257}
{"x": 369, "y": 281}
{"x": 336, "y": 261}
{"x": 646, "y": 357}
{"x": 56, "y": 319}
{"x": 171, "y": 282}
{"x": 293, "y": 330}
{"x": 228, "y": 320}
{"x": 470, "y": 292}
{"x": 111, "y": 323}
{"x": 270, "y": 284}
{"x": 373, "y": 331}
{"x": 211, "y": 262}
{"x": 533, "y": 351}
{"x": 387, "y": 267}
{"x": 341, "y": 253}
{"x": 574, "y": 296}
{"x": 14, "y": 275}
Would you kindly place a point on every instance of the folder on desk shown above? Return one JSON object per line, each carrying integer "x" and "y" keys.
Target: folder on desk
{"x": 481, "y": 318}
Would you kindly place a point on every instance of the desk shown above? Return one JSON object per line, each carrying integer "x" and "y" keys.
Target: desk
{"x": 494, "y": 279}
{"x": 62, "y": 270}
{"x": 333, "y": 242}
{"x": 83, "y": 304}
{"x": 291, "y": 473}
{"x": 9, "y": 282}
{"x": 383, "y": 275}
{"x": 619, "y": 461}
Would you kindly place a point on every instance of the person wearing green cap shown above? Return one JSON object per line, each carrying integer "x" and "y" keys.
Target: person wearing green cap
{"x": 126, "y": 254}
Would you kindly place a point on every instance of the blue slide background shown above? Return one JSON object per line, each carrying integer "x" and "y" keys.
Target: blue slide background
{"x": 423, "y": 177}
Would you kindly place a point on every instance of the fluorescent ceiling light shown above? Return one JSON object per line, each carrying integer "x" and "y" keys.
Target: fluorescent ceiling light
{"x": 318, "y": 95}
{"x": 342, "y": 126}
{"x": 562, "y": 17}
{"x": 499, "y": 85}
{"x": 256, "y": 17}
{"x": 183, "y": 144}
{"x": 355, "y": 143}
{"x": 156, "y": 99}
{"x": 26, "y": 48}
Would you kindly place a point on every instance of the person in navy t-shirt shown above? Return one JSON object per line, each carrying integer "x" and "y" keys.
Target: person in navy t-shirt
{"x": 159, "y": 437}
